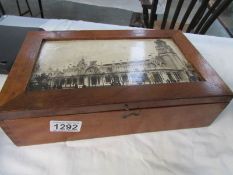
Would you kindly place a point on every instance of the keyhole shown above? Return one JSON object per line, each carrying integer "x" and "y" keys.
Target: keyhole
{"x": 3, "y": 62}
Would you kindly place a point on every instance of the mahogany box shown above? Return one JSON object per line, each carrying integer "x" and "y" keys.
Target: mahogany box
{"x": 87, "y": 84}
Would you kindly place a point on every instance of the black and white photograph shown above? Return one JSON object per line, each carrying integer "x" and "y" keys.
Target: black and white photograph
{"x": 106, "y": 63}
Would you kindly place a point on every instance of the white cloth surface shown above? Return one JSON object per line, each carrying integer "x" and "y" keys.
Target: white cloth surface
{"x": 207, "y": 151}
{"x": 19, "y": 21}
{"x": 64, "y": 24}
{"x": 2, "y": 80}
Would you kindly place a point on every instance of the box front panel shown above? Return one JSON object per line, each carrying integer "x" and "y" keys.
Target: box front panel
{"x": 93, "y": 125}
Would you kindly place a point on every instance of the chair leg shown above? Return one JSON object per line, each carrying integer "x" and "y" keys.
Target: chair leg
{"x": 19, "y": 9}
{"x": 18, "y": 6}
{"x": 41, "y": 9}
{"x": 29, "y": 9}
{"x": 2, "y": 9}
{"x": 153, "y": 15}
{"x": 146, "y": 17}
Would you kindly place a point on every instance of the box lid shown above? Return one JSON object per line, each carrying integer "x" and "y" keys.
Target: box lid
{"x": 22, "y": 97}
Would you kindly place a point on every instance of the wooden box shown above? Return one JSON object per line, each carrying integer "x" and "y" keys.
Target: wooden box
{"x": 87, "y": 84}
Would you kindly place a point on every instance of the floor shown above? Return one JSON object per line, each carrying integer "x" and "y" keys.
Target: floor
{"x": 103, "y": 11}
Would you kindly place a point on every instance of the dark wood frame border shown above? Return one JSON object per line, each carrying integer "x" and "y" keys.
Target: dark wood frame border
{"x": 16, "y": 102}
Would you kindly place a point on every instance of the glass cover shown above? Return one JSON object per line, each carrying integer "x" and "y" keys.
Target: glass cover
{"x": 97, "y": 63}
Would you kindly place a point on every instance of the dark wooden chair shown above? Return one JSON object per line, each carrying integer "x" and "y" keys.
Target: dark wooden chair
{"x": 201, "y": 20}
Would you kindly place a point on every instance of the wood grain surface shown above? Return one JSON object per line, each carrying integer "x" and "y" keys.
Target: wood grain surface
{"x": 104, "y": 111}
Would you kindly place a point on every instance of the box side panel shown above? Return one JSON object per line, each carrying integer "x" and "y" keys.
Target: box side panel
{"x": 37, "y": 130}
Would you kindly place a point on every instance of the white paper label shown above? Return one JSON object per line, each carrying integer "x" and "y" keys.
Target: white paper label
{"x": 65, "y": 126}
